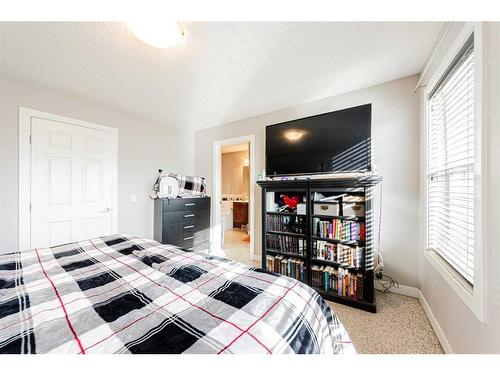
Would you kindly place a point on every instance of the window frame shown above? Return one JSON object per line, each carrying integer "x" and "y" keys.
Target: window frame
{"x": 472, "y": 296}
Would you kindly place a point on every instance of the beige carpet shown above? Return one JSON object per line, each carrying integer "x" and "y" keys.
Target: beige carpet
{"x": 400, "y": 326}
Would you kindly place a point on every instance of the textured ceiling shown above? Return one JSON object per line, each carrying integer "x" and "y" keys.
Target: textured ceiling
{"x": 221, "y": 72}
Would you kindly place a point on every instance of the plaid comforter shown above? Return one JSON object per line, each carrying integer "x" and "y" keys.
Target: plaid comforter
{"x": 122, "y": 294}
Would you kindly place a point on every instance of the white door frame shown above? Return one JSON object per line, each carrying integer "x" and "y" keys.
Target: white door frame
{"x": 217, "y": 194}
{"x": 25, "y": 116}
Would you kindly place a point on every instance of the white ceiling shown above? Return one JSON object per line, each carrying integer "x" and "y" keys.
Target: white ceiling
{"x": 221, "y": 72}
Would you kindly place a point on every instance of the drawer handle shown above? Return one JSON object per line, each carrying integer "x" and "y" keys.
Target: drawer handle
{"x": 188, "y": 238}
{"x": 190, "y": 215}
{"x": 189, "y": 226}
{"x": 188, "y": 204}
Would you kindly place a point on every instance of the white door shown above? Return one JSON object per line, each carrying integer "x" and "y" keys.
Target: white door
{"x": 72, "y": 182}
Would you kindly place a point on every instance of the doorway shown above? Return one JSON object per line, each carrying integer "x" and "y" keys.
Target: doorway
{"x": 233, "y": 229}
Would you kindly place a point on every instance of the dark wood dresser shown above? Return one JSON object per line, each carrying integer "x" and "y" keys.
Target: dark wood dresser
{"x": 184, "y": 222}
{"x": 240, "y": 214}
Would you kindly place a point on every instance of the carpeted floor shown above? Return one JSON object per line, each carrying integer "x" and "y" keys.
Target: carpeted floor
{"x": 400, "y": 326}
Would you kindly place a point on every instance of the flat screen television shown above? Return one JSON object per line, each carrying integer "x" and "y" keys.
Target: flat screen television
{"x": 334, "y": 142}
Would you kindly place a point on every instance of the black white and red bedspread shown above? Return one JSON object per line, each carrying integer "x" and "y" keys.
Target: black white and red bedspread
{"x": 123, "y": 294}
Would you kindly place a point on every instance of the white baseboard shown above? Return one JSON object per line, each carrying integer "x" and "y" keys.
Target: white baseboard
{"x": 404, "y": 290}
{"x": 435, "y": 325}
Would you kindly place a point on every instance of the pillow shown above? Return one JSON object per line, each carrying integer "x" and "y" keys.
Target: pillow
{"x": 189, "y": 186}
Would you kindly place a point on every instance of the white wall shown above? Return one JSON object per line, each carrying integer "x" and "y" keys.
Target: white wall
{"x": 463, "y": 331}
{"x": 143, "y": 147}
{"x": 395, "y": 137}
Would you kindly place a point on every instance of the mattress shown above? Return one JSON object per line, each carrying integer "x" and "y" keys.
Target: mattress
{"x": 123, "y": 294}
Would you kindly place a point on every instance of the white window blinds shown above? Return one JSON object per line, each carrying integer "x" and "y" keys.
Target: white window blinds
{"x": 450, "y": 169}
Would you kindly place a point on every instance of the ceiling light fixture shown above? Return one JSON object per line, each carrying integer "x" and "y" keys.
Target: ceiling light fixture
{"x": 294, "y": 135}
{"x": 157, "y": 33}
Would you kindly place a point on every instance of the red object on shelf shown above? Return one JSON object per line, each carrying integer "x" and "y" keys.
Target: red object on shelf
{"x": 291, "y": 201}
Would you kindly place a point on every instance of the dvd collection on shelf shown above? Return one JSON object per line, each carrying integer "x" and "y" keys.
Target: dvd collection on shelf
{"x": 352, "y": 256}
{"x": 339, "y": 229}
{"x": 286, "y": 244}
{"x": 337, "y": 281}
{"x": 288, "y": 266}
{"x": 286, "y": 223}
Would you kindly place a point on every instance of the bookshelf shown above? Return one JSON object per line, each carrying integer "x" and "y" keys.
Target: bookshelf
{"x": 328, "y": 242}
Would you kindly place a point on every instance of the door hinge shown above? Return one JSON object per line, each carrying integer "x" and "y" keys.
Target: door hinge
{"x": 30, "y": 140}
{"x": 30, "y": 206}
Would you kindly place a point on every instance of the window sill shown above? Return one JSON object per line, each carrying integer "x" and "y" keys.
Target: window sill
{"x": 457, "y": 283}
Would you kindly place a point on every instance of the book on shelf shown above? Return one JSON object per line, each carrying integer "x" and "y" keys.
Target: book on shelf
{"x": 286, "y": 244}
{"x": 288, "y": 266}
{"x": 285, "y": 223}
{"x": 337, "y": 281}
{"x": 339, "y": 229}
{"x": 352, "y": 256}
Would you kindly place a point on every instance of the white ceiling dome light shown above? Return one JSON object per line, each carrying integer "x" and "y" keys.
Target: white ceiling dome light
{"x": 158, "y": 33}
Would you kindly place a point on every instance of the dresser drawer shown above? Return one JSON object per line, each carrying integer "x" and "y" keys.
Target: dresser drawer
{"x": 183, "y": 222}
{"x": 199, "y": 218}
{"x": 180, "y": 217}
{"x": 202, "y": 240}
{"x": 176, "y": 234}
{"x": 196, "y": 240}
{"x": 202, "y": 236}
{"x": 183, "y": 204}
{"x": 202, "y": 219}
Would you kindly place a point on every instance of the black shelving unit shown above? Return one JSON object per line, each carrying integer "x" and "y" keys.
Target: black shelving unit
{"x": 291, "y": 234}
{"x": 291, "y": 255}
{"x": 361, "y": 186}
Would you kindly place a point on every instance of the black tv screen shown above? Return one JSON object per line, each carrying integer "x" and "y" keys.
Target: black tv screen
{"x": 333, "y": 142}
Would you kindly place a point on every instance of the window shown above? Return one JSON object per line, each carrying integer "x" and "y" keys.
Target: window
{"x": 451, "y": 165}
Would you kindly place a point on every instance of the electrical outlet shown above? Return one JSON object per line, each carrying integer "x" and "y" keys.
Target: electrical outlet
{"x": 133, "y": 197}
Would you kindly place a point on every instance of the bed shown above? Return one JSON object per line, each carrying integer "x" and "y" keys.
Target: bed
{"x": 123, "y": 294}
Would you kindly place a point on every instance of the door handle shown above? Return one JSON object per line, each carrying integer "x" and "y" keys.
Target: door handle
{"x": 106, "y": 209}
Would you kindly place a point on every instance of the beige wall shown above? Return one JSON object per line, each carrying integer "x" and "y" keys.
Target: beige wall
{"x": 143, "y": 147}
{"x": 233, "y": 179}
{"x": 395, "y": 131}
{"x": 463, "y": 331}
